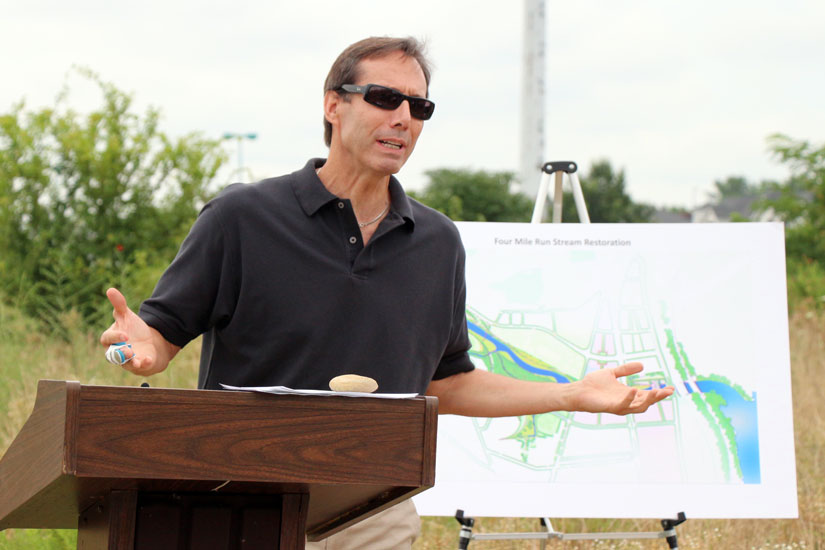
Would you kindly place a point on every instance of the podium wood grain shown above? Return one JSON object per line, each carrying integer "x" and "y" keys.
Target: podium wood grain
{"x": 349, "y": 457}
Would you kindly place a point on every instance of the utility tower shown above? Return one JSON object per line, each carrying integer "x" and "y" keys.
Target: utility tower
{"x": 532, "y": 97}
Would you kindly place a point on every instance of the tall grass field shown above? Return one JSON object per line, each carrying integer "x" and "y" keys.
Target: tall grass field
{"x": 29, "y": 352}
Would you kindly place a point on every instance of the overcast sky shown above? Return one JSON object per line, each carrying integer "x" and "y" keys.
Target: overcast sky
{"x": 677, "y": 94}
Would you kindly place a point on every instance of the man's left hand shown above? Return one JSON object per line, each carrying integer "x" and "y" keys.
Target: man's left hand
{"x": 601, "y": 391}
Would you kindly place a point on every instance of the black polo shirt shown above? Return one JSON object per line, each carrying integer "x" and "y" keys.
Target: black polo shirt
{"x": 277, "y": 278}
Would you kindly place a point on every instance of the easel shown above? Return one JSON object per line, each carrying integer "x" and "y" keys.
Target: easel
{"x": 559, "y": 168}
{"x": 668, "y": 531}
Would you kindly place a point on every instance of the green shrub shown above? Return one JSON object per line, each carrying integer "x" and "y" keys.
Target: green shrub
{"x": 82, "y": 197}
{"x": 806, "y": 284}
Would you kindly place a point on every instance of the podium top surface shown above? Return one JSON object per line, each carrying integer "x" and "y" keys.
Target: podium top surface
{"x": 351, "y": 455}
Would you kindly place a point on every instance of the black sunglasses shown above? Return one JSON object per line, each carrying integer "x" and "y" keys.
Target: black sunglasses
{"x": 390, "y": 99}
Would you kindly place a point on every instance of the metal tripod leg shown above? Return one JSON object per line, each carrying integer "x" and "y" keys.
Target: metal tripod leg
{"x": 466, "y": 529}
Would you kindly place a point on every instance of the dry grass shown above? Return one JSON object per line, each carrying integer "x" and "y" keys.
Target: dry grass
{"x": 27, "y": 355}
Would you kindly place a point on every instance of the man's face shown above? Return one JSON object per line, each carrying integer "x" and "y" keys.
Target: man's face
{"x": 371, "y": 139}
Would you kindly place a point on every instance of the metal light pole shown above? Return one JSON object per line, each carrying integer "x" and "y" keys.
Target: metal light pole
{"x": 240, "y": 138}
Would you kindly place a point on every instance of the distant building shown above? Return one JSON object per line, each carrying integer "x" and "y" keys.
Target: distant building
{"x": 728, "y": 209}
{"x": 725, "y": 210}
{"x": 671, "y": 216}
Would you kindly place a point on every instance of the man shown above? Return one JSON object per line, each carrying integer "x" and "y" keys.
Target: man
{"x": 334, "y": 270}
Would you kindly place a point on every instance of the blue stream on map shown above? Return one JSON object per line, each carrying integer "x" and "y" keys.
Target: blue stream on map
{"x": 504, "y": 348}
{"x": 742, "y": 415}
{"x": 740, "y": 412}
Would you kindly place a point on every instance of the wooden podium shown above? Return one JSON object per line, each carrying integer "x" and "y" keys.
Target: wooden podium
{"x": 153, "y": 468}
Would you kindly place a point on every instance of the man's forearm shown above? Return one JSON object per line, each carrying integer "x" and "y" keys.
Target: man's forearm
{"x": 481, "y": 393}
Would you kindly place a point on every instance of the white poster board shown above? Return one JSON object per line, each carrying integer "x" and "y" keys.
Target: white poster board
{"x": 702, "y": 306}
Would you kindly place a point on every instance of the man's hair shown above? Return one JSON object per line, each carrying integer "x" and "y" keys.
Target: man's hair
{"x": 345, "y": 68}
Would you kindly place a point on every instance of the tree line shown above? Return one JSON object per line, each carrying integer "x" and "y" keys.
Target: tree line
{"x": 93, "y": 200}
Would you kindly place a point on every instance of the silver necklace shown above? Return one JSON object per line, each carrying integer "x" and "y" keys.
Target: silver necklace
{"x": 378, "y": 217}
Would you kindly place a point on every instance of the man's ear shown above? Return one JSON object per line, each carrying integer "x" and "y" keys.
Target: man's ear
{"x": 331, "y": 103}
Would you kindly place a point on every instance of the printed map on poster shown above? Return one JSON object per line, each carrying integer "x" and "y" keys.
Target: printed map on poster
{"x": 702, "y": 306}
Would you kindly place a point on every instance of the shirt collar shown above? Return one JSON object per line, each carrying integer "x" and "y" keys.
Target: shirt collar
{"x": 309, "y": 190}
{"x": 401, "y": 202}
{"x": 312, "y": 195}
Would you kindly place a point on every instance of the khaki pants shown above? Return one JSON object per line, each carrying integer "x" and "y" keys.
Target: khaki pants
{"x": 395, "y": 528}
